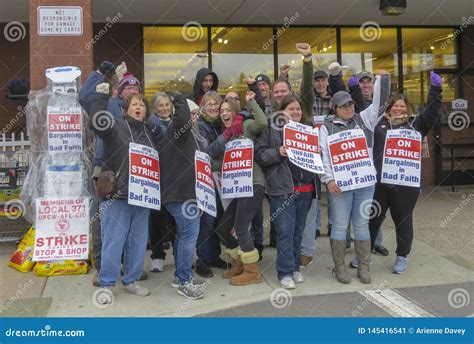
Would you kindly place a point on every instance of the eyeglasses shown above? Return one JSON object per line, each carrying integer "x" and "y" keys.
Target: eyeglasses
{"x": 346, "y": 106}
{"x": 212, "y": 105}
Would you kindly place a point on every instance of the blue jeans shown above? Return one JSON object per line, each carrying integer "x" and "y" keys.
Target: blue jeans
{"x": 313, "y": 224}
{"x": 288, "y": 213}
{"x": 351, "y": 206}
{"x": 187, "y": 231}
{"x": 124, "y": 229}
{"x": 208, "y": 247}
{"x": 257, "y": 227}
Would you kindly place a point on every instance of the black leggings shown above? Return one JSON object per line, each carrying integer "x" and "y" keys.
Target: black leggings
{"x": 401, "y": 200}
{"x": 161, "y": 229}
{"x": 239, "y": 215}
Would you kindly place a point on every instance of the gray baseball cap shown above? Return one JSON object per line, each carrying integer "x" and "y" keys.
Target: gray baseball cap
{"x": 320, "y": 74}
{"x": 340, "y": 98}
{"x": 366, "y": 74}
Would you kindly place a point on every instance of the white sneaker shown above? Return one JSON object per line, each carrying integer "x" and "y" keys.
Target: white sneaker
{"x": 157, "y": 265}
{"x": 137, "y": 289}
{"x": 298, "y": 277}
{"x": 287, "y": 283}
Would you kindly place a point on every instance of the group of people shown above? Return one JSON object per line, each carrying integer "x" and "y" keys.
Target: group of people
{"x": 177, "y": 126}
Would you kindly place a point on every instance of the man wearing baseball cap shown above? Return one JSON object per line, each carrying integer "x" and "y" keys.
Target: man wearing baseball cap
{"x": 262, "y": 87}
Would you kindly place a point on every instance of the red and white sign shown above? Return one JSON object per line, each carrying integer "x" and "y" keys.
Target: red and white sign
{"x": 237, "y": 169}
{"x": 60, "y": 21}
{"x": 62, "y": 228}
{"x": 402, "y": 158}
{"x": 64, "y": 130}
{"x": 144, "y": 177}
{"x": 205, "y": 190}
{"x": 351, "y": 163}
{"x": 302, "y": 146}
{"x": 318, "y": 121}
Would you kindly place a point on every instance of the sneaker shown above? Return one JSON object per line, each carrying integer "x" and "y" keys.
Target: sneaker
{"x": 157, "y": 265}
{"x": 380, "y": 250}
{"x": 306, "y": 260}
{"x": 95, "y": 280}
{"x": 400, "y": 265}
{"x": 287, "y": 283}
{"x": 219, "y": 263}
{"x": 105, "y": 295}
{"x": 190, "y": 291}
{"x": 203, "y": 270}
{"x": 355, "y": 262}
{"x": 135, "y": 288}
{"x": 298, "y": 277}
{"x": 197, "y": 282}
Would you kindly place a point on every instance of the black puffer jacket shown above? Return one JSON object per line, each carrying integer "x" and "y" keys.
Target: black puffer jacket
{"x": 117, "y": 137}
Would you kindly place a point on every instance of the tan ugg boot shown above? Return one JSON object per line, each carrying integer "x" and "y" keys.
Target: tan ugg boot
{"x": 251, "y": 274}
{"x": 235, "y": 262}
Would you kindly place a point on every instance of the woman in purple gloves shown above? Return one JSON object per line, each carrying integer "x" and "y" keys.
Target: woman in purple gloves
{"x": 397, "y": 142}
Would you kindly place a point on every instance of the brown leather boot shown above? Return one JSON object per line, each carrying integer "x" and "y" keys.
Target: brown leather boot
{"x": 235, "y": 262}
{"x": 251, "y": 274}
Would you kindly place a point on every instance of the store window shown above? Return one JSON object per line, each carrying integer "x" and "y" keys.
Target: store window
{"x": 370, "y": 49}
{"x": 172, "y": 57}
{"x": 323, "y": 46}
{"x": 240, "y": 52}
{"x": 424, "y": 50}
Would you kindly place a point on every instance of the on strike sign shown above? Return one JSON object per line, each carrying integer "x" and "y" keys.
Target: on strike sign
{"x": 144, "y": 177}
{"x": 302, "y": 146}
{"x": 402, "y": 158}
{"x": 64, "y": 130}
{"x": 205, "y": 191}
{"x": 351, "y": 163}
{"x": 237, "y": 169}
{"x": 62, "y": 228}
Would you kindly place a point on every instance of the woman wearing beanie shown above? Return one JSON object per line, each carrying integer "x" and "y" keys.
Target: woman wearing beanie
{"x": 240, "y": 212}
{"x": 290, "y": 190}
{"x": 350, "y": 191}
{"x": 391, "y": 192}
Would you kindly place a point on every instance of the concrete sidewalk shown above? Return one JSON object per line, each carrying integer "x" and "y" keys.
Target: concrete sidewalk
{"x": 440, "y": 256}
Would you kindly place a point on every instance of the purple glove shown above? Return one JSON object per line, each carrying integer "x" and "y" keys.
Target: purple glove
{"x": 353, "y": 81}
{"x": 436, "y": 79}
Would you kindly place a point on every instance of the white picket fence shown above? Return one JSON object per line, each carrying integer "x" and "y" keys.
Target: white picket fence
{"x": 14, "y": 150}
{"x": 13, "y": 142}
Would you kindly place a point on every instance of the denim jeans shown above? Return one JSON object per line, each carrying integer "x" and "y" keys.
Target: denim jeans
{"x": 351, "y": 207}
{"x": 288, "y": 214}
{"x": 124, "y": 229}
{"x": 257, "y": 227}
{"x": 187, "y": 231}
{"x": 313, "y": 224}
{"x": 208, "y": 246}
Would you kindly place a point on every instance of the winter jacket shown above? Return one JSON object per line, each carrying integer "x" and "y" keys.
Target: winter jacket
{"x": 366, "y": 120}
{"x": 280, "y": 177}
{"x": 197, "y": 88}
{"x": 117, "y": 138}
{"x": 421, "y": 123}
